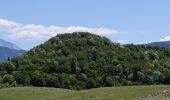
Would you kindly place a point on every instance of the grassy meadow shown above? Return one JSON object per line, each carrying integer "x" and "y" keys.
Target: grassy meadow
{"x": 108, "y": 93}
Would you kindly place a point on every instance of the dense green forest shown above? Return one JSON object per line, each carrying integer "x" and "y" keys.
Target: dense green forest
{"x": 82, "y": 60}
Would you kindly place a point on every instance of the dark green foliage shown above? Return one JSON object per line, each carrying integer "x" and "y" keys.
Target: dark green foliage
{"x": 90, "y": 83}
{"x": 8, "y": 67}
{"x": 22, "y": 78}
{"x": 83, "y": 60}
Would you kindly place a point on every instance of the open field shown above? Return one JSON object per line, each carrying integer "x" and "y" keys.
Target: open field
{"x": 112, "y": 93}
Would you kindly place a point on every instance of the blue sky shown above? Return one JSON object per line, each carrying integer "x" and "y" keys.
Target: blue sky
{"x": 127, "y": 21}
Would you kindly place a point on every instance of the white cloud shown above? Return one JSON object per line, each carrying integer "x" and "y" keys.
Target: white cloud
{"x": 6, "y": 23}
{"x": 122, "y": 41}
{"x": 32, "y": 31}
{"x": 167, "y": 38}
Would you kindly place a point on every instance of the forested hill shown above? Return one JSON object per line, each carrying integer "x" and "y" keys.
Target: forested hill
{"x": 83, "y": 60}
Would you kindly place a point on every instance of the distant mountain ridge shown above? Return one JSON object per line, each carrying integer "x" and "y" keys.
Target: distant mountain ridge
{"x": 7, "y": 52}
{"x": 164, "y": 44}
{"x": 10, "y": 45}
{"x": 8, "y": 49}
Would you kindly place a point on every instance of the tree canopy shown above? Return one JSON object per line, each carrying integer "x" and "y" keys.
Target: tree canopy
{"x": 83, "y": 60}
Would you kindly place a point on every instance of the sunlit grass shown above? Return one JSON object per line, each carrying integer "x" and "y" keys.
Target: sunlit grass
{"x": 109, "y": 93}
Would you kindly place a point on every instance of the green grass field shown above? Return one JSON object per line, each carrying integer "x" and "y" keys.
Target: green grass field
{"x": 112, "y": 93}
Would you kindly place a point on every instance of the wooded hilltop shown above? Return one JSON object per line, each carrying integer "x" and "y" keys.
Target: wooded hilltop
{"x": 83, "y": 60}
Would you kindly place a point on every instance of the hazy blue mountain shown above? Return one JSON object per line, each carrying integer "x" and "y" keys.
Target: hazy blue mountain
{"x": 165, "y": 44}
{"x": 10, "y": 45}
{"x": 7, "y": 52}
{"x": 8, "y": 49}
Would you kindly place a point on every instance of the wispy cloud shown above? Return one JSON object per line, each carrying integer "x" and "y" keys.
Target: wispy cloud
{"x": 167, "y": 38}
{"x": 4, "y": 23}
{"x": 122, "y": 41}
{"x": 32, "y": 31}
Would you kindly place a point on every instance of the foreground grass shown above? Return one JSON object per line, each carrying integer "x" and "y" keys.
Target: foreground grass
{"x": 112, "y": 93}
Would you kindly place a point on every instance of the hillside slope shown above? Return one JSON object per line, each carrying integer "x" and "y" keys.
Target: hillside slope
{"x": 83, "y": 60}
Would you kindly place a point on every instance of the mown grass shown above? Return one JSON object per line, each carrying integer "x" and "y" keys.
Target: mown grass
{"x": 109, "y": 93}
